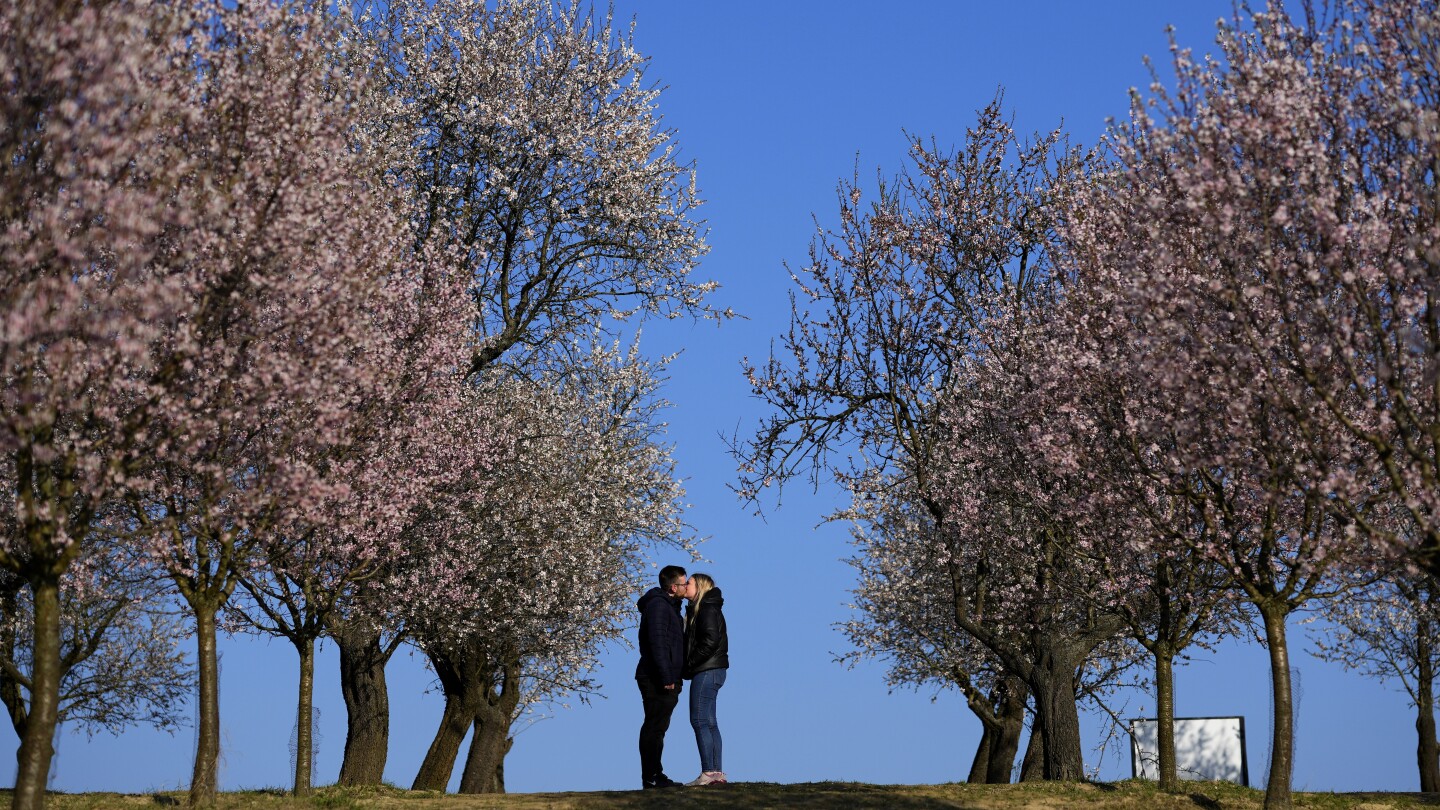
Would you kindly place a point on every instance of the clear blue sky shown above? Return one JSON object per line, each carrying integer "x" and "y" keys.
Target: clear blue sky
{"x": 774, "y": 101}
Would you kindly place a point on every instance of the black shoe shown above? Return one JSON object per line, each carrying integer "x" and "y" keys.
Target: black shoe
{"x": 661, "y": 781}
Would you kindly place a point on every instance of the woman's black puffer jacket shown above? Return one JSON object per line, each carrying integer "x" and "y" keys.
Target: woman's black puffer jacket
{"x": 707, "y": 645}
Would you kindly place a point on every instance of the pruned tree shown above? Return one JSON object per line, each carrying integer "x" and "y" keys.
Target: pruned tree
{"x": 908, "y": 617}
{"x": 1129, "y": 492}
{"x": 892, "y": 305}
{"x": 416, "y": 432}
{"x": 905, "y": 615}
{"x": 291, "y": 252}
{"x": 540, "y": 572}
{"x": 1028, "y": 580}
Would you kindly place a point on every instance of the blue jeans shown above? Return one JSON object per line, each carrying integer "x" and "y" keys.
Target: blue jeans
{"x": 703, "y": 690}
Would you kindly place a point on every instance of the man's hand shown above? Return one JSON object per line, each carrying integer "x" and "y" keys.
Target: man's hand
{"x": 670, "y": 687}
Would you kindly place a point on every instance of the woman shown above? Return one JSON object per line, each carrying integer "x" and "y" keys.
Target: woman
{"x": 707, "y": 657}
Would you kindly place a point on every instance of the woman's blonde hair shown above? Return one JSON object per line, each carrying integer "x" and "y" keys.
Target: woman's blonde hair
{"x": 703, "y": 584}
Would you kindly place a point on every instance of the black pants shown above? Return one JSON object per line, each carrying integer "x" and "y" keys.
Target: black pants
{"x": 659, "y": 704}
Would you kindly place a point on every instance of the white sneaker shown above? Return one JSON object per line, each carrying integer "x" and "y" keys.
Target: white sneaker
{"x": 707, "y": 778}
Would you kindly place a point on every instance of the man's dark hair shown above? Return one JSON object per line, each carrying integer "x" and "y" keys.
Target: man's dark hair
{"x": 671, "y": 574}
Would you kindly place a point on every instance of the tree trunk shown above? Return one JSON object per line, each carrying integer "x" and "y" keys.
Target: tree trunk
{"x": 485, "y": 764}
{"x": 305, "y": 717}
{"x": 439, "y": 761}
{"x": 367, "y": 706}
{"x": 1007, "y": 739}
{"x": 980, "y": 765}
{"x": 1002, "y": 721}
{"x": 1427, "y": 752}
{"x": 1032, "y": 768}
{"x": 460, "y": 711}
{"x": 1057, "y": 716}
{"x": 37, "y": 745}
{"x": 10, "y": 693}
{"x": 1165, "y": 720}
{"x": 1282, "y": 740}
{"x": 204, "y": 782}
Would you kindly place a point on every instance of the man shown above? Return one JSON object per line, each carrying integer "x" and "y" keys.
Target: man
{"x": 662, "y": 657}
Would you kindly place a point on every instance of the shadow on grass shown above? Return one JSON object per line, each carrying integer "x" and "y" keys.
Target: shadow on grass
{"x": 1425, "y": 799}
{"x": 814, "y": 796}
{"x": 848, "y": 796}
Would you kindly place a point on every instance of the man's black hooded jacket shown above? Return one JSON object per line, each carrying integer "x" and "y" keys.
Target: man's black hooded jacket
{"x": 662, "y": 639}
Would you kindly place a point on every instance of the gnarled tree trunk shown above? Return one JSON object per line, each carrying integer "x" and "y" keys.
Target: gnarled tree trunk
{"x": 485, "y": 764}
{"x": 461, "y": 706}
{"x": 439, "y": 760}
{"x": 1032, "y": 768}
{"x": 1057, "y": 716}
{"x": 980, "y": 764}
{"x": 1006, "y": 742}
{"x": 367, "y": 705}
{"x": 1002, "y": 718}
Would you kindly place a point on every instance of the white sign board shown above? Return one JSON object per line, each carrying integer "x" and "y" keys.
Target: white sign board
{"x": 1207, "y": 748}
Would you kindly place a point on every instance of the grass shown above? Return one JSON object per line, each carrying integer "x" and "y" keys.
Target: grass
{"x": 812, "y": 796}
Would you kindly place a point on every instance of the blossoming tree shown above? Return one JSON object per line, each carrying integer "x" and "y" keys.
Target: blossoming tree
{"x": 897, "y": 304}
{"x": 1247, "y": 234}
{"x": 531, "y": 146}
{"x": 541, "y": 570}
{"x": 417, "y": 431}
{"x": 291, "y": 248}
{"x": 90, "y": 299}
{"x": 906, "y": 616}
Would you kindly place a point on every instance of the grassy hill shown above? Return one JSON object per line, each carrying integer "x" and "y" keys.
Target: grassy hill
{"x": 813, "y": 796}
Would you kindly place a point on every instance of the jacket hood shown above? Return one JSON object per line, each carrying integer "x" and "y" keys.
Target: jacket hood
{"x": 650, "y": 596}
{"x": 713, "y": 597}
